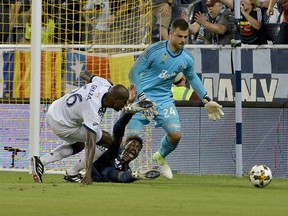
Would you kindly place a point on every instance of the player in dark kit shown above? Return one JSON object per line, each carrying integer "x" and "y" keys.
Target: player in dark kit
{"x": 113, "y": 165}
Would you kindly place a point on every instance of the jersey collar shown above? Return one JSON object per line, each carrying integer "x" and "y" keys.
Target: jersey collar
{"x": 172, "y": 54}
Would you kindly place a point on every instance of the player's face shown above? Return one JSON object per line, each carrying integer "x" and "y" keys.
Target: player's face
{"x": 134, "y": 149}
{"x": 178, "y": 39}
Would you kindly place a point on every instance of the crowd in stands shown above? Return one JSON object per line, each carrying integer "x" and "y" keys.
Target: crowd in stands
{"x": 66, "y": 21}
{"x": 211, "y": 21}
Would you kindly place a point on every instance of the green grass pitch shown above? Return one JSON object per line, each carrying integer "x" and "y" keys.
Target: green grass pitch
{"x": 184, "y": 195}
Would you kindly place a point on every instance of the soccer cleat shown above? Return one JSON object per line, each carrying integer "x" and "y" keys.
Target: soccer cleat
{"x": 139, "y": 106}
{"x": 148, "y": 175}
{"x": 37, "y": 169}
{"x": 74, "y": 178}
{"x": 163, "y": 166}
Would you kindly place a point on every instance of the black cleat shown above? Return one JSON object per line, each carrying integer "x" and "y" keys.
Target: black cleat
{"x": 37, "y": 169}
{"x": 74, "y": 179}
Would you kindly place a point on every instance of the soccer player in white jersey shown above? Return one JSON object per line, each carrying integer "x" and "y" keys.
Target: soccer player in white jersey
{"x": 153, "y": 74}
{"x": 75, "y": 118}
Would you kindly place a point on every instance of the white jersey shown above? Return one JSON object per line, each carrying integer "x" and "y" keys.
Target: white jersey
{"x": 81, "y": 107}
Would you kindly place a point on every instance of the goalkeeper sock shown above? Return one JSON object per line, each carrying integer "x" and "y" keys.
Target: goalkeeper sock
{"x": 62, "y": 151}
{"x": 166, "y": 147}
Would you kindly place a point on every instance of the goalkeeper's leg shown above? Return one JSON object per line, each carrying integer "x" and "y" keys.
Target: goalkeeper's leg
{"x": 168, "y": 144}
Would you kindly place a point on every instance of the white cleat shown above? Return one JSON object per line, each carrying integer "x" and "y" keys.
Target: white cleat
{"x": 163, "y": 166}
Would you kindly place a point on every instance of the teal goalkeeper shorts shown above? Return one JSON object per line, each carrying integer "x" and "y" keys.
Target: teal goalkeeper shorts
{"x": 167, "y": 118}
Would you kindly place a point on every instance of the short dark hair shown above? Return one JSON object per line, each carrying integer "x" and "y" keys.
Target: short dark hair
{"x": 135, "y": 137}
{"x": 179, "y": 23}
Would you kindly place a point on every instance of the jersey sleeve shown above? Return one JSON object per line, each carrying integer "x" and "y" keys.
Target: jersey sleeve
{"x": 139, "y": 66}
{"x": 194, "y": 80}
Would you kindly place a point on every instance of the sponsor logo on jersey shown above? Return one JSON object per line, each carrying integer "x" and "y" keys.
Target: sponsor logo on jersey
{"x": 165, "y": 75}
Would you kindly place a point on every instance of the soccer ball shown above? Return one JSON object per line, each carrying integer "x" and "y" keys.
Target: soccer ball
{"x": 260, "y": 175}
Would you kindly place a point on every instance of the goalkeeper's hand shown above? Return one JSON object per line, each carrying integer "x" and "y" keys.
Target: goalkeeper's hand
{"x": 214, "y": 110}
{"x": 150, "y": 112}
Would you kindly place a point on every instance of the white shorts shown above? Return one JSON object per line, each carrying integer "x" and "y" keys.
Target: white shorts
{"x": 70, "y": 134}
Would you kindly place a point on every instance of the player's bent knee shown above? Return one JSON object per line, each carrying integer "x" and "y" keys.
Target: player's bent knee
{"x": 77, "y": 147}
{"x": 174, "y": 137}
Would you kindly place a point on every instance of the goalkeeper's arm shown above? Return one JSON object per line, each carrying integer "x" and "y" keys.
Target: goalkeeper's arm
{"x": 212, "y": 107}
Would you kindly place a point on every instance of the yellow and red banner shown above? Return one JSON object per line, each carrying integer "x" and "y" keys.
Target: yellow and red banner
{"x": 16, "y": 74}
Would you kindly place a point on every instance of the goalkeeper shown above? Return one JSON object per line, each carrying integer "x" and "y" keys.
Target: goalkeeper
{"x": 153, "y": 74}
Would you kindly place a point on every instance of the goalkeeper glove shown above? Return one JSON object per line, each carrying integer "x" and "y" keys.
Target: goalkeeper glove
{"x": 213, "y": 109}
{"x": 150, "y": 112}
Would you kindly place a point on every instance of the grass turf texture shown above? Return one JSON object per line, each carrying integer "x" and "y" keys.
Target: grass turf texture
{"x": 184, "y": 195}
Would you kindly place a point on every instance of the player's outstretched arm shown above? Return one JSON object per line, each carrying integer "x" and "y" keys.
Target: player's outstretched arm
{"x": 87, "y": 76}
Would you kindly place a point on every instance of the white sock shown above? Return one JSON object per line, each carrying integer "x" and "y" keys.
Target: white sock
{"x": 62, "y": 151}
{"x": 80, "y": 165}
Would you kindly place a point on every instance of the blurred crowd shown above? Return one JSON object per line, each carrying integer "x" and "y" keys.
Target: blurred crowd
{"x": 104, "y": 21}
{"x": 69, "y": 21}
{"x": 213, "y": 21}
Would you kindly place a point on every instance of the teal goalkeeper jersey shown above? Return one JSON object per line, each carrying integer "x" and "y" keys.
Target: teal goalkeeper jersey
{"x": 154, "y": 72}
